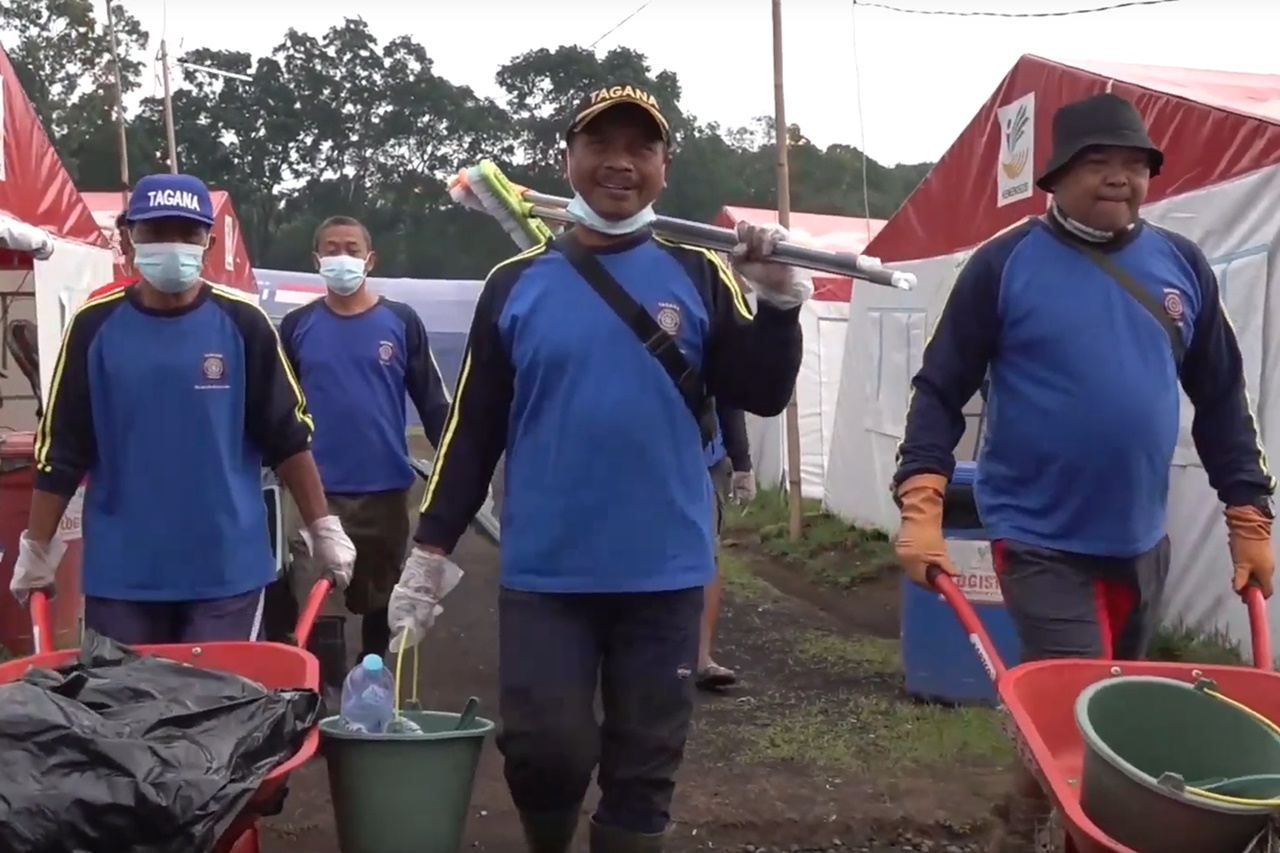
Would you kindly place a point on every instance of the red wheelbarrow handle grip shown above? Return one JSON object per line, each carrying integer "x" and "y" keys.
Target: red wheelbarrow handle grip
{"x": 978, "y": 636}
{"x": 41, "y": 623}
{"x": 1259, "y": 628}
{"x": 311, "y": 611}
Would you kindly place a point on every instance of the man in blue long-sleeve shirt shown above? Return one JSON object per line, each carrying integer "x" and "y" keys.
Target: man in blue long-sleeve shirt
{"x": 357, "y": 355}
{"x": 1086, "y": 320}
{"x": 607, "y": 534}
{"x": 170, "y": 395}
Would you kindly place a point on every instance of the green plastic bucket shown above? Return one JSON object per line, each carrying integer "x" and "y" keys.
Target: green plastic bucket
{"x": 403, "y": 793}
{"x": 1151, "y": 742}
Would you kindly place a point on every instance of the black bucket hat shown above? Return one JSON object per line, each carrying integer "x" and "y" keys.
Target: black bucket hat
{"x": 1104, "y": 119}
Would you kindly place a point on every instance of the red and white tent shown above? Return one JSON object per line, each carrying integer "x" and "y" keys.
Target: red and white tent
{"x": 51, "y": 251}
{"x": 226, "y": 264}
{"x": 1220, "y": 132}
{"x": 824, "y": 320}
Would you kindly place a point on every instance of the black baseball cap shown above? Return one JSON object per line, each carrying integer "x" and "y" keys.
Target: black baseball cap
{"x": 600, "y": 99}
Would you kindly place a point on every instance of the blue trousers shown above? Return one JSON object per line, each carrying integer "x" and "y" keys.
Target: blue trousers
{"x": 138, "y": 623}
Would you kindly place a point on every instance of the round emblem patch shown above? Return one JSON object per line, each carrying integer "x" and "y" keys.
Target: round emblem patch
{"x": 669, "y": 319}
{"x": 213, "y": 368}
{"x": 1173, "y": 305}
{"x": 385, "y": 352}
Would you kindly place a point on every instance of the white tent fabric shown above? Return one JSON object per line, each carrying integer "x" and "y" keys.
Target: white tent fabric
{"x": 1229, "y": 213}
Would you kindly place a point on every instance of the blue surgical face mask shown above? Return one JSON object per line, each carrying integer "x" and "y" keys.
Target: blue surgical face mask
{"x": 584, "y": 215}
{"x": 169, "y": 267}
{"x": 342, "y": 274}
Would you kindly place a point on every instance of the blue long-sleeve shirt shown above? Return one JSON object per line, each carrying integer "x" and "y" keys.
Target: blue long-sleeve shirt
{"x": 356, "y": 370}
{"x": 606, "y": 480}
{"x": 1082, "y": 408}
{"x": 171, "y": 415}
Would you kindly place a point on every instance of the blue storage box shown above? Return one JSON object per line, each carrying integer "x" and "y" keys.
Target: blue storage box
{"x": 937, "y": 660}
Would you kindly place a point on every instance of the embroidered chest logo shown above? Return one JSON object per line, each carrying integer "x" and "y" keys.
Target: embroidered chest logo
{"x": 213, "y": 371}
{"x": 668, "y": 318}
{"x": 1173, "y": 305}
{"x": 386, "y": 351}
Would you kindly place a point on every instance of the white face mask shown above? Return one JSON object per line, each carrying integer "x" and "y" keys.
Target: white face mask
{"x": 342, "y": 274}
{"x": 584, "y": 215}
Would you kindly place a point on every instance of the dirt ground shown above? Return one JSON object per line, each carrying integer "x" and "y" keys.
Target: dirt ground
{"x": 815, "y": 750}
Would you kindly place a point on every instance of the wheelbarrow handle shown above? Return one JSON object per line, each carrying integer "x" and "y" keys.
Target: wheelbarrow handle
{"x": 978, "y": 636}
{"x": 41, "y": 623}
{"x": 1259, "y": 628}
{"x": 311, "y": 611}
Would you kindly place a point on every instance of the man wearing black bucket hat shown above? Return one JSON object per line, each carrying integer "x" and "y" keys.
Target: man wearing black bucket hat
{"x": 592, "y": 361}
{"x": 1086, "y": 320}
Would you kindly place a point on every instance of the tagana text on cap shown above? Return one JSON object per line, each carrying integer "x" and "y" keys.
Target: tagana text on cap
{"x": 599, "y": 100}
{"x": 179, "y": 196}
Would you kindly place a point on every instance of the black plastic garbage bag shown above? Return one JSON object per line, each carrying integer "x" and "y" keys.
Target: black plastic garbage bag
{"x": 125, "y": 752}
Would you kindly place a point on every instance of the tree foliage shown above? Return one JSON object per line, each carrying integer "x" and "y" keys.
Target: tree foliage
{"x": 343, "y": 123}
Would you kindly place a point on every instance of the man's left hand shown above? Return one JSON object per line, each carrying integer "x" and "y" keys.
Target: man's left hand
{"x": 332, "y": 551}
{"x": 1249, "y": 538}
{"x": 779, "y": 285}
{"x": 744, "y": 487}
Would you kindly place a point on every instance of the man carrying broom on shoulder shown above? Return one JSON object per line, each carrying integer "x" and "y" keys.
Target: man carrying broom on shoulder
{"x": 607, "y": 538}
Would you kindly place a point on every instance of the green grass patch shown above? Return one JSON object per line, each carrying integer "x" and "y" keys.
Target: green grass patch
{"x": 739, "y": 581}
{"x": 871, "y": 731}
{"x": 1183, "y": 644}
{"x": 832, "y": 552}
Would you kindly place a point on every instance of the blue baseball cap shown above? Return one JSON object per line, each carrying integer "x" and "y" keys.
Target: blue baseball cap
{"x": 177, "y": 196}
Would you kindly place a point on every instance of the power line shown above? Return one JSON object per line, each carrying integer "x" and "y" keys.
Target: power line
{"x": 953, "y": 13}
{"x": 618, "y": 25}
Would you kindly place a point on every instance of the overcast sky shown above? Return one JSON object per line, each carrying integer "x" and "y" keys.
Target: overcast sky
{"x": 922, "y": 76}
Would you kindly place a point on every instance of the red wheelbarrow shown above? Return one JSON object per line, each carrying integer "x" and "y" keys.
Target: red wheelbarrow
{"x": 1040, "y": 698}
{"x": 273, "y": 665}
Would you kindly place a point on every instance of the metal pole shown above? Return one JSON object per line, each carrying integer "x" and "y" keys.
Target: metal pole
{"x": 124, "y": 140}
{"x": 792, "y": 421}
{"x": 168, "y": 108}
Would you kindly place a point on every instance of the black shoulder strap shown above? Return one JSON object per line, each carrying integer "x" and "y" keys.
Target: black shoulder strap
{"x": 657, "y": 341}
{"x": 1143, "y": 297}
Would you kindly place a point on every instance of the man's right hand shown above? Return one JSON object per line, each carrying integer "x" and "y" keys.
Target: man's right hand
{"x": 919, "y": 544}
{"x": 36, "y": 566}
{"x": 428, "y": 576}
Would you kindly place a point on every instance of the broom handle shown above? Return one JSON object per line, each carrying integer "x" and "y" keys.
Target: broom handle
{"x": 720, "y": 239}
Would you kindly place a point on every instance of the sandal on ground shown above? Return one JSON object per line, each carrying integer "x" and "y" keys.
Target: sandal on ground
{"x": 713, "y": 676}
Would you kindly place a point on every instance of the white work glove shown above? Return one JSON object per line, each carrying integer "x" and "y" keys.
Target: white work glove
{"x": 415, "y": 602}
{"x": 332, "y": 553}
{"x": 744, "y": 487}
{"x": 779, "y": 285}
{"x": 36, "y": 566}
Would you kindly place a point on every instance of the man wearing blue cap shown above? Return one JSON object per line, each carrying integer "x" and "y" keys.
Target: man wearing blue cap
{"x": 170, "y": 395}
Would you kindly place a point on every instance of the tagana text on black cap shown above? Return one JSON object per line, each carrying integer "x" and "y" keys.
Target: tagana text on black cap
{"x": 601, "y": 99}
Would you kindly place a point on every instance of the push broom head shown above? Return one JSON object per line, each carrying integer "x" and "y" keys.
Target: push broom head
{"x": 483, "y": 187}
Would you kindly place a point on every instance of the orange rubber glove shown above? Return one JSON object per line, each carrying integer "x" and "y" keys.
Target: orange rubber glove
{"x": 920, "y": 544}
{"x": 1249, "y": 538}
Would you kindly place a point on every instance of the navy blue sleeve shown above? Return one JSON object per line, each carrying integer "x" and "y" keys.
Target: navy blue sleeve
{"x": 955, "y": 362}
{"x": 752, "y": 360}
{"x": 475, "y": 432}
{"x": 422, "y": 377}
{"x": 275, "y": 412}
{"x": 733, "y": 432}
{"x": 289, "y": 331}
{"x": 1223, "y": 428}
{"x": 66, "y": 447}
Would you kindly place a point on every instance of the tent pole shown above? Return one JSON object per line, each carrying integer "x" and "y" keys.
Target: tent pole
{"x": 168, "y": 108}
{"x": 784, "y": 219}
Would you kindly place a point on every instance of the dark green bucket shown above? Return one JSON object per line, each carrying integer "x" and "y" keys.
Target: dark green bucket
{"x": 1147, "y": 740}
{"x": 403, "y": 793}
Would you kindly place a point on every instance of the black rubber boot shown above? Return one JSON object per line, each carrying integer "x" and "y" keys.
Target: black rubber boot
{"x": 611, "y": 839}
{"x": 329, "y": 644}
{"x": 549, "y": 832}
{"x": 375, "y": 633}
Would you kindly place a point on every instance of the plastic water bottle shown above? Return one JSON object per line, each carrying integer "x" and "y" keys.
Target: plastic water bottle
{"x": 368, "y": 697}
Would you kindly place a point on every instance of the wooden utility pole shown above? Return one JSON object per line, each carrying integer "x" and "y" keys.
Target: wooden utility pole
{"x": 796, "y": 527}
{"x": 168, "y": 108}
{"x": 119, "y": 85}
